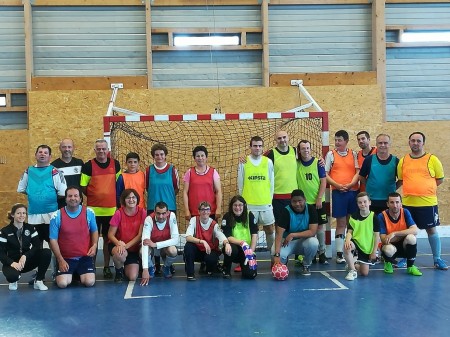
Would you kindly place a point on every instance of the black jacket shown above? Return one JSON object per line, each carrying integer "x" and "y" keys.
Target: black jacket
{"x": 10, "y": 247}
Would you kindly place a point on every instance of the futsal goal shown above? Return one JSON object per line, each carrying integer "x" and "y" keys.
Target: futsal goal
{"x": 226, "y": 136}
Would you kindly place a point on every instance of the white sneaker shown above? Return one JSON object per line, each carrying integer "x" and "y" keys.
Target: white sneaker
{"x": 13, "y": 286}
{"x": 39, "y": 285}
{"x": 340, "y": 260}
{"x": 352, "y": 275}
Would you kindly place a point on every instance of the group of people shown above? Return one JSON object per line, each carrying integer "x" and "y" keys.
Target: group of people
{"x": 282, "y": 190}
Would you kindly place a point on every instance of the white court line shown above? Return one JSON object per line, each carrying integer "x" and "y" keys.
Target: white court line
{"x": 129, "y": 293}
{"x": 332, "y": 279}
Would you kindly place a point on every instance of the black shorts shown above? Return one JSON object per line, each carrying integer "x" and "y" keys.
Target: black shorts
{"x": 132, "y": 257}
{"x": 362, "y": 257}
{"x": 103, "y": 226}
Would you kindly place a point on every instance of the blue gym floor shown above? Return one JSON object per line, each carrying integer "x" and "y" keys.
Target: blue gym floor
{"x": 323, "y": 304}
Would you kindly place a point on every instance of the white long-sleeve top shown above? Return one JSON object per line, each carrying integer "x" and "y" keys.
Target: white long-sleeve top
{"x": 190, "y": 231}
{"x": 147, "y": 232}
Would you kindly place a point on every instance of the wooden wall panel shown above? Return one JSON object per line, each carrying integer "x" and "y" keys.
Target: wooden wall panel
{"x": 87, "y": 83}
{"x": 319, "y": 79}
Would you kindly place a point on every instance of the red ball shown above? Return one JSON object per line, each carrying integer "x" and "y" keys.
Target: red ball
{"x": 280, "y": 271}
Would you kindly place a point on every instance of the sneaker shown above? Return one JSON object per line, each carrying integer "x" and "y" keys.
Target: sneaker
{"x": 166, "y": 272}
{"x": 107, "y": 273}
{"x": 413, "y": 270}
{"x": 440, "y": 264}
{"x": 191, "y": 278}
{"x": 39, "y": 285}
{"x": 401, "y": 263}
{"x": 226, "y": 275}
{"x": 299, "y": 260}
{"x": 340, "y": 259}
{"x": 172, "y": 269}
{"x": 151, "y": 271}
{"x": 119, "y": 275}
{"x": 237, "y": 269}
{"x": 388, "y": 269}
{"x": 314, "y": 259}
{"x": 323, "y": 259}
{"x": 352, "y": 275}
{"x": 305, "y": 271}
{"x": 13, "y": 286}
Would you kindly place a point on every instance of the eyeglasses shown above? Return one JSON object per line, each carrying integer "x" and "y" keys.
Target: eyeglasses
{"x": 131, "y": 198}
{"x": 205, "y": 209}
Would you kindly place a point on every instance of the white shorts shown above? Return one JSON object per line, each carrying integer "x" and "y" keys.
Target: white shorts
{"x": 264, "y": 218}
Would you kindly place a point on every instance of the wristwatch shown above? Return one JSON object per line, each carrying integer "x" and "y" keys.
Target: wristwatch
{"x": 276, "y": 255}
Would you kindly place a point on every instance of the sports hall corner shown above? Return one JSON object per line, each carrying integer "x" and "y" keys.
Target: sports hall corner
{"x": 58, "y": 60}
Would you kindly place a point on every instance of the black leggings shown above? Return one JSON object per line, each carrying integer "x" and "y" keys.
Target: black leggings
{"x": 237, "y": 256}
{"x": 41, "y": 260}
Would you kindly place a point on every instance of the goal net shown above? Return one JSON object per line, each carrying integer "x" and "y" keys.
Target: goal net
{"x": 226, "y": 137}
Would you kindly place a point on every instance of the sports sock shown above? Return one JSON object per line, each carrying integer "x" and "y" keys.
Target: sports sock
{"x": 411, "y": 252}
{"x": 435, "y": 244}
{"x": 339, "y": 243}
{"x": 270, "y": 239}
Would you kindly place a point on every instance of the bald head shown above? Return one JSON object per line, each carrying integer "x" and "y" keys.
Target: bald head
{"x": 66, "y": 147}
{"x": 282, "y": 140}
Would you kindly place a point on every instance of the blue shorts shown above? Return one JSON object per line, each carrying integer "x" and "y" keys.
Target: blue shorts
{"x": 425, "y": 217}
{"x": 81, "y": 266}
{"x": 343, "y": 203}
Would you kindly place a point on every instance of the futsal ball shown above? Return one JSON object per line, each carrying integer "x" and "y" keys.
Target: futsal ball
{"x": 280, "y": 271}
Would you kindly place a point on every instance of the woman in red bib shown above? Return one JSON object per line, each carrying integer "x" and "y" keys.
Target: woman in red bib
{"x": 124, "y": 235}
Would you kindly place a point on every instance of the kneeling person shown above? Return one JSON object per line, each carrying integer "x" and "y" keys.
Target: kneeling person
{"x": 295, "y": 232}
{"x": 124, "y": 235}
{"x": 240, "y": 227}
{"x": 73, "y": 240}
{"x": 160, "y": 235}
{"x": 398, "y": 234}
{"x": 363, "y": 235}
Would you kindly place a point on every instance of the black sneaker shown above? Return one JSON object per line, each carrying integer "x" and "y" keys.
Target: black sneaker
{"x": 314, "y": 259}
{"x": 323, "y": 259}
{"x": 226, "y": 275}
{"x": 107, "y": 275}
{"x": 172, "y": 269}
{"x": 119, "y": 276}
{"x": 191, "y": 278}
{"x": 157, "y": 269}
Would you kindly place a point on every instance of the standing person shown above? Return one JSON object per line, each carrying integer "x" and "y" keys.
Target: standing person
{"x": 162, "y": 183}
{"x": 341, "y": 166}
{"x": 379, "y": 174}
{"x": 363, "y": 235}
{"x": 421, "y": 173}
{"x": 363, "y": 139}
{"x": 20, "y": 249}
{"x": 240, "y": 228}
{"x": 160, "y": 234}
{"x": 124, "y": 235}
{"x": 68, "y": 165}
{"x": 162, "y": 180}
{"x": 73, "y": 240}
{"x": 284, "y": 160}
{"x": 131, "y": 178}
{"x": 202, "y": 182}
{"x": 312, "y": 179}
{"x": 398, "y": 235}
{"x": 256, "y": 185}
{"x": 296, "y": 232}
{"x": 203, "y": 237}
{"x": 43, "y": 184}
{"x": 98, "y": 182}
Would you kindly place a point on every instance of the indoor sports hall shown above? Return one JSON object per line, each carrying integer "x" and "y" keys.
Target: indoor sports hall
{"x": 215, "y": 73}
